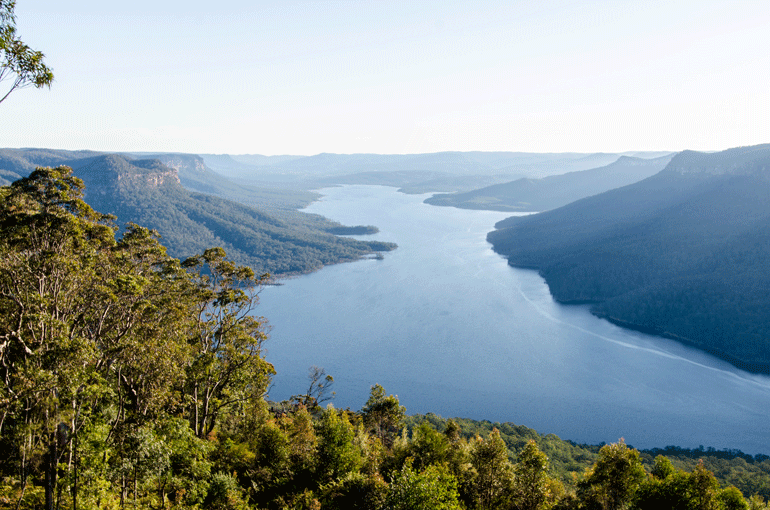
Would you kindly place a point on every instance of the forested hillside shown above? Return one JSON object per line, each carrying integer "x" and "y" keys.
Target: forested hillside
{"x": 131, "y": 379}
{"x": 149, "y": 193}
{"x": 195, "y": 175}
{"x": 527, "y": 194}
{"x": 682, "y": 254}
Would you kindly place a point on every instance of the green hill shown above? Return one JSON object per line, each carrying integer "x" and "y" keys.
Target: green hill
{"x": 683, "y": 254}
{"x": 149, "y": 193}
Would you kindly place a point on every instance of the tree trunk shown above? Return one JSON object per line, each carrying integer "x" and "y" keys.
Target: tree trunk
{"x": 51, "y": 471}
{"x": 75, "y": 472}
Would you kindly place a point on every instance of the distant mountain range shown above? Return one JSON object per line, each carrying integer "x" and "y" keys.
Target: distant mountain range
{"x": 412, "y": 173}
{"x": 528, "y": 194}
{"x": 684, "y": 253}
{"x": 149, "y": 193}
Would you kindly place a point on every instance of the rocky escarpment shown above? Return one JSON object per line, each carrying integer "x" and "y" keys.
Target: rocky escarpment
{"x": 753, "y": 160}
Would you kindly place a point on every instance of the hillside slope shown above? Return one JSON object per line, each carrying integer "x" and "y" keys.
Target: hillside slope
{"x": 149, "y": 193}
{"x": 554, "y": 191}
{"x": 683, "y": 254}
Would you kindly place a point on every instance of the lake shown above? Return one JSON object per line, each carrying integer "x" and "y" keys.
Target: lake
{"x": 448, "y": 326}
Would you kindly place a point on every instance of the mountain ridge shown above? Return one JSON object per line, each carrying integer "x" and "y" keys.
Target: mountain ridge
{"x": 528, "y": 194}
{"x": 149, "y": 193}
{"x": 682, "y": 254}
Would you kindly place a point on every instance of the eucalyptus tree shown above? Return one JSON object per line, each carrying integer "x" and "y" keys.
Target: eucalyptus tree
{"x": 533, "y": 488}
{"x": 20, "y": 65}
{"x": 382, "y": 414}
{"x": 492, "y": 480}
{"x": 614, "y": 479}
{"x": 433, "y": 488}
{"x": 112, "y": 338}
{"x": 227, "y": 369}
{"x": 52, "y": 245}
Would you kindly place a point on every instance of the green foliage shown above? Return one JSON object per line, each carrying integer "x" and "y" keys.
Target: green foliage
{"x": 696, "y": 490}
{"x": 662, "y": 468}
{"x": 492, "y": 479}
{"x": 227, "y": 368}
{"x": 224, "y": 494}
{"x": 383, "y": 415}
{"x": 611, "y": 483}
{"x": 428, "y": 447}
{"x": 355, "y": 490}
{"x": 564, "y": 457}
{"x": 430, "y": 489}
{"x": 93, "y": 336}
{"x": 338, "y": 453}
{"x": 731, "y": 498}
{"x": 533, "y": 488}
{"x": 757, "y": 503}
{"x": 19, "y": 64}
{"x": 750, "y": 474}
{"x": 257, "y": 227}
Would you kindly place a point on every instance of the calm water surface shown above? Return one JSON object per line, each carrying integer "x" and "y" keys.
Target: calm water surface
{"x": 448, "y": 326}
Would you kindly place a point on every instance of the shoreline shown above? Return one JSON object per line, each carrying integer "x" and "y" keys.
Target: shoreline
{"x": 751, "y": 367}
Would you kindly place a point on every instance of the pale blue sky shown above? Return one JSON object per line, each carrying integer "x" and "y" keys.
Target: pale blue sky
{"x": 303, "y": 77}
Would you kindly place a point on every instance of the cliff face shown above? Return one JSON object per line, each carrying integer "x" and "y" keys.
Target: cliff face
{"x": 754, "y": 160}
{"x": 111, "y": 172}
{"x": 183, "y": 163}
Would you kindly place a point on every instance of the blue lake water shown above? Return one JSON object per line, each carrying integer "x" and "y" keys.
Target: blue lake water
{"x": 448, "y": 326}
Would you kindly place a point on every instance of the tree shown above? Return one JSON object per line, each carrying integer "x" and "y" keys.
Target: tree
{"x": 52, "y": 295}
{"x": 20, "y": 65}
{"x": 93, "y": 336}
{"x": 428, "y": 447}
{"x": 320, "y": 383}
{"x": 383, "y": 415}
{"x": 434, "y": 488}
{"x": 662, "y": 468}
{"x": 672, "y": 489}
{"x": 703, "y": 489}
{"x": 731, "y": 498}
{"x": 613, "y": 480}
{"x": 533, "y": 489}
{"x": 492, "y": 483}
{"x": 338, "y": 453}
{"x": 228, "y": 368}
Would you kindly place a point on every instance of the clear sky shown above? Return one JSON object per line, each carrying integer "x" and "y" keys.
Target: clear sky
{"x": 392, "y": 76}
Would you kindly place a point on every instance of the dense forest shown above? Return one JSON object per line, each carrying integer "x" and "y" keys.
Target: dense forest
{"x": 133, "y": 379}
{"x": 682, "y": 254}
{"x": 278, "y": 240}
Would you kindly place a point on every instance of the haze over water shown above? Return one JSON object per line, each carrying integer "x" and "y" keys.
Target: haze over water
{"x": 448, "y": 326}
